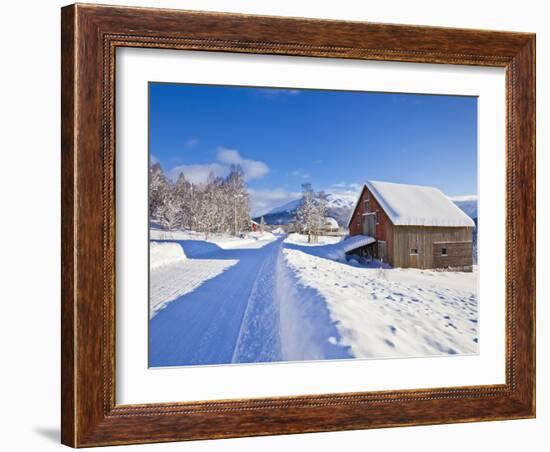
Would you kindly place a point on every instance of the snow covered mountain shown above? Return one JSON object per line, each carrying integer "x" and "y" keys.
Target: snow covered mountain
{"x": 340, "y": 205}
{"x": 468, "y": 204}
{"x": 288, "y": 207}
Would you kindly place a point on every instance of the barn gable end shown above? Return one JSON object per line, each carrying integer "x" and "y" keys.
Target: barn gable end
{"x": 384, "y": 226}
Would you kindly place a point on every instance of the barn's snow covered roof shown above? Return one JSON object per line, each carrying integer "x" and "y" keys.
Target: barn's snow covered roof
{"x": 415, "y": 205}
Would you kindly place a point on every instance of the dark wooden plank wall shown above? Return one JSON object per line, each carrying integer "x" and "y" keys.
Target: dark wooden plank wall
{"x": 458, "y": 256}
{"x": 422, "y": 238}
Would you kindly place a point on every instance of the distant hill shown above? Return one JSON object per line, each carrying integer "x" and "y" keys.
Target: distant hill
{"x": 340, "y": 205}
{"x": 288, "y": 207}
{"x": 468, "y": 204}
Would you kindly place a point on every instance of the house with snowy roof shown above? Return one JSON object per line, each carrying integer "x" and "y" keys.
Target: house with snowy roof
{"x": 413, "y": 226}
{"x": 330, "y": 226}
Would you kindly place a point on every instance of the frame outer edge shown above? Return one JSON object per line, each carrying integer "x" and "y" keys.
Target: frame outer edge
{"x": 525, "y": 62}
{"x": 86, "y": 419}
{"x": 68, "y": 230}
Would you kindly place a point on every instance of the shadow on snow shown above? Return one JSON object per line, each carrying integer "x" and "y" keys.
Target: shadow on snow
{"x": 255, "y": 311}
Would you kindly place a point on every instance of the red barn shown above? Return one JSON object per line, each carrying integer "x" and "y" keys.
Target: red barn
{"x": 414, "y": 226}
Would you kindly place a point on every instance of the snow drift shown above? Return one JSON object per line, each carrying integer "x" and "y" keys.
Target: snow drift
{"x": 224, "y": 241}
{"x": 333, "y": 248}
{"x": 393, "y": 313}
{"x": 163, "y": 254}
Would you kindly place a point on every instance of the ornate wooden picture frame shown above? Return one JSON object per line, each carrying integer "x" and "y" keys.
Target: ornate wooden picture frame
{"x": 90, "y": 37}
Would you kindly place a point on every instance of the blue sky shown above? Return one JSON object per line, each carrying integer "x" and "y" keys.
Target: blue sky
{"x": 333, "y": 139}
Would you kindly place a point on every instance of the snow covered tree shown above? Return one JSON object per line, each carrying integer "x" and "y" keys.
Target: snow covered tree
{"x": 210, "y": 210}
{"x": 238, "y": 199}
{"x": 321, "y": 204}
{"x": 220, "y": 205}
{"x": 310, "y": 215}
{"x": 157, "y": 191}
{"x": 182, "y": 190}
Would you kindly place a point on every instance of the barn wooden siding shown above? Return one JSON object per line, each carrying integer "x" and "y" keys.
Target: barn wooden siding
{"x": 429, "y": 241}
{"x": 384, "y": 226}
{"x": 459, "y": 255}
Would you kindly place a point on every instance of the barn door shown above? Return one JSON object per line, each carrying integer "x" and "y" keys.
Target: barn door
{"x": 369, "y": 224}
{"x": 382, "y": 252}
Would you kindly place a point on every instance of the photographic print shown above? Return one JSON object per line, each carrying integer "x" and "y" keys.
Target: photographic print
{"x": 294, "y": 224}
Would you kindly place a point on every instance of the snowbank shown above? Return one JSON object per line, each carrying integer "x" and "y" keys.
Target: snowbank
{"x": 302, "y": 239}
{"x": 224, "y": 241}
{"x": 162, "y": 254}
{"x": 397, "y": 312}
{"x": 333, "y": 248}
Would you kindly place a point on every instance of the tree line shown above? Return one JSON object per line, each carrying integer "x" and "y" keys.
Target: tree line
{"x": 220, "y": 205}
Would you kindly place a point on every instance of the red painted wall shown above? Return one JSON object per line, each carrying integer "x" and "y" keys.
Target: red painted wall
{"x": 384, "y": 226}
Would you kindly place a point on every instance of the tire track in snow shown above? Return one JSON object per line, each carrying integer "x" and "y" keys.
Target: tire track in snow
{"x": 258, "y": 339}
{"x": 284, "y": 320}
{"x": 201, "y": 327}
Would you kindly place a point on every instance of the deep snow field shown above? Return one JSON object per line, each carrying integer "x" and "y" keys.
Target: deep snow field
{"x": 266, "y": 297}
{"x": 382, "y": 313}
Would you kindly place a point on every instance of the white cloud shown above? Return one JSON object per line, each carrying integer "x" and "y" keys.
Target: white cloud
{"x": 191, "y": 143}
{"x": 263, "y": 200}
{"x": 253, "y": 169}
{"x": 301, "y": 174}
{"x": 153, "y": 159}
{"x": 198, "y": 173}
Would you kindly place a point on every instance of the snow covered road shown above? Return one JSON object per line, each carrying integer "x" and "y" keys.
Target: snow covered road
{"x": 251, "y": 312}
{"x": 282, "y": 300}
{"x": 204, "y": 326}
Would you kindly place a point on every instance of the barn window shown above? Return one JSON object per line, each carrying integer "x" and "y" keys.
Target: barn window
{"x": 367, "y": 204}
{"x": 414, "y": 251}
{"x": 443, "y": 251}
